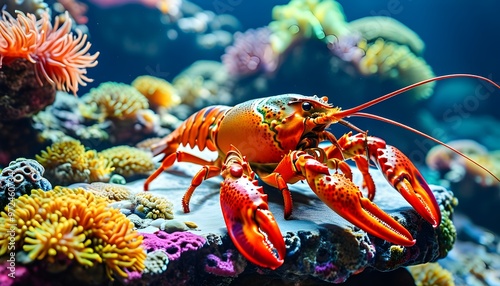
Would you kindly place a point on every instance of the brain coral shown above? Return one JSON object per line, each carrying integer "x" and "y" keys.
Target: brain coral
{"x": 67, "y": 162}
{"x": 152, "y": 206}
{"x": 129, "y": 161}
{"x": 19, "y": 178}
{"x": 159, "y": 92}
{"x": 112, "y": 192}
{"x": 58, "y": 55}
{"x": 73, "y": 224}
{"x": 113, "y": 100}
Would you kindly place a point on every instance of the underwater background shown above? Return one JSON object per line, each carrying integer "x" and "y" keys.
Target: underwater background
{"x": 83, "y": 110}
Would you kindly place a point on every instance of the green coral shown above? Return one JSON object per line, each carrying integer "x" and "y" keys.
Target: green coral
{"x": 447, "y": 234}
{"x": 306, "y": 19}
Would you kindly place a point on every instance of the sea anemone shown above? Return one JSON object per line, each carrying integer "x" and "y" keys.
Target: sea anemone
{"x": 68, "y": 162}
{"x": 250, "y": 53}
{"x": 159, "y": 92}
{"x": 73, "y": 224}
{"x": 58, "y": 55}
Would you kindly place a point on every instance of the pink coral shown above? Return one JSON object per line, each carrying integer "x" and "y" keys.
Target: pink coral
{"x": 174, "y": 244}
{"x": 226, "y": 266}
{"x": 250, "y": 53}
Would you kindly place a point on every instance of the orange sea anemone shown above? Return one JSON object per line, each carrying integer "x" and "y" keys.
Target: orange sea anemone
{"x": 58, "y": 55}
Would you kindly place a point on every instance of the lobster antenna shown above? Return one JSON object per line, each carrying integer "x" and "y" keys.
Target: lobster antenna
{"x": 387, "y": 120}
{"x": 360, "y": 107}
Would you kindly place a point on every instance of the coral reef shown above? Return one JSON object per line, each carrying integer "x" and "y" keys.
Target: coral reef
{"x": 320, "y": 245}
{"x": 113, "y": 100}
{"x": 59, "y": 56}
{"x": 159, "y": 92}
{"x": 431, "y": 274}
{"x": 112, "y": 192}
{"x": 151, "y": 206}
{"x": 37, "y": 7}
{"x": 129, "y": 161}
{"x": 389, "y": 60}
{"x": 67, "y": 162}
{"x": 21, "y": 94}
{"x": 250, "y": 53}
{"x": 202, "y": 83}
{"x": 19, "y": 178}
{"x": 73, "y": 226}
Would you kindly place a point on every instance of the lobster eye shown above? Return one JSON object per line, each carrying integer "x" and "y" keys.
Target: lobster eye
{"x": 306, "y": 106}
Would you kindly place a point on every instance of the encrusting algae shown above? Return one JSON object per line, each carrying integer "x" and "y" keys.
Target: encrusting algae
{"x": 75, "y": 224}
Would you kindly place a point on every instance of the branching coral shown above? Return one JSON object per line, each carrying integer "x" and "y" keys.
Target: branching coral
{"x": 129, "y": 161}
{"x": 152, "y": 206}
{"x": 431, "y": 274}
{"x": 389, "y": 60}
{"x": 59, "y": 56}
{"x": 112, "y": 100}
{"x": 67, "y": 162}
{"x": 159, "y": 92}
{"x": 73, "y": 224}
{"x": 19, "y": 178}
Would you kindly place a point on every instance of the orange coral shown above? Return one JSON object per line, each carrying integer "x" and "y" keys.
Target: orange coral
{"x": 58, "y": 55}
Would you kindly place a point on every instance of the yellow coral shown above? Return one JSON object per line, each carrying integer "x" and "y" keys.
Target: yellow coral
{"x": 112, "y": 192}
{"x": 112, "y": 100}
{"x": 154, "y": 206}
{"x": 431, "y": 274}
{"x": 306, "y": 19}
{"x": 129, "y": 161}
{"x": 67, "y": 162}
{"x": 75, "y": 224}
{"x": 392, "y": 61}
{"x": 389, "y": 29}
{"x": 159, "y": 92}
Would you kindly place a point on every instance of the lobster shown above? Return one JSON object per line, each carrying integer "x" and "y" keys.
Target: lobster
{"x": 278, "y": 139}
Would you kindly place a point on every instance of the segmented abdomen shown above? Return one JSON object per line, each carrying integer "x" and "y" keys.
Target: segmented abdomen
{"x": 196, "y": 130}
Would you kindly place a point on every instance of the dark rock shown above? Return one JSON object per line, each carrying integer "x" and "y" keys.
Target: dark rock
{"x": 321, "y": 246}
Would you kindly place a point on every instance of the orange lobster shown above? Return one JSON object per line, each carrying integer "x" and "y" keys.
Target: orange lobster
{"x": 278, "y": 137}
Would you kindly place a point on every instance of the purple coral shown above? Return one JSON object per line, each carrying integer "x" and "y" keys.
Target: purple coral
{"x": 346, "y": 48}
{"x": 227, "y": 266}
{"x": 250, "y": 53}
{"x": 174, "y": 244}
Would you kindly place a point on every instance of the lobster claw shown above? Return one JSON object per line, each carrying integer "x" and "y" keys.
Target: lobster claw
{"x": 340, "y": 194}
{"x": 251, "y": 225}
{"x": 404, "y": 176}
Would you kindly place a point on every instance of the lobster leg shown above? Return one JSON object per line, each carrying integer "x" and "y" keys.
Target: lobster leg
{"x": 250, "y": 223}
